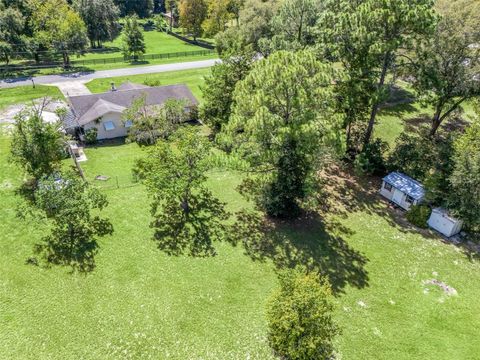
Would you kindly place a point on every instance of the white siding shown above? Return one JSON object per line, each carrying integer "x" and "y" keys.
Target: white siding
{"x": 397, "y": 197}
{"x": 444, "y": 224}
{"x": 119, "y": 131}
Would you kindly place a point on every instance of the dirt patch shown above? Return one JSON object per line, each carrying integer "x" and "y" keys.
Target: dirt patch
{"x": 450, "y": 291}
{"x": 8, "y": 114}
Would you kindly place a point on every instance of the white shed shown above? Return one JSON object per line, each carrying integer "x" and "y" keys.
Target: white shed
{"x": 441, "y": 221}
{"x": 402, "y": 190}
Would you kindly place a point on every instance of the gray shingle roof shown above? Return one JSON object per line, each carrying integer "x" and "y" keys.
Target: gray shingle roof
{"x": 124, "y": 98}
{"x": 405, "y": 184}
{"x": 131, "y": 86}
{"x": 99, "y": 109}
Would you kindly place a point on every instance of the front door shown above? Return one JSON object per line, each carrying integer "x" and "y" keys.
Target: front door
{"x": 397, "y": 197}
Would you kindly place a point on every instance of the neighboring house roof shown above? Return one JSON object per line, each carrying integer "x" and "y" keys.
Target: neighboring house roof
{"x": 405, "y": 184}
{"x": 86, "y": 106}
{"x": 99, "y": 109}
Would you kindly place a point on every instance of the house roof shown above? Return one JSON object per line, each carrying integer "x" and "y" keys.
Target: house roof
{"x": 85, "y": 107}
{"x": 127, "y": 85}
{"x": 99, "y": 109}
{"x": 405, "y": 184}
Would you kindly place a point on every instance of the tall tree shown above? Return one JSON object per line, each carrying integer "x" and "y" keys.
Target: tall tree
{"x": 447, "y": 66}
{"x": 300, "y": 317}
{"x": 218, "y": 17}
{"x": 294, "y": 24}
{"x": 101, "y": 19}
{"x": 133, "y": 40}
{"x": 12, "y": 26}
{"x": 57, "y": 26}
{"x": 37, "y": 146}
{"x": 192, "y": 15}
{"x": 283, "y": 121}
{"x": 187, "y": 218}
{"x": 142, "y": 8}
{"x": 464, "y": 199}
{"x": 366, "y": 36}
{"x": 70, "y": 207}
{"x": 172, "y": 8}
{"x": 237, "y": 61}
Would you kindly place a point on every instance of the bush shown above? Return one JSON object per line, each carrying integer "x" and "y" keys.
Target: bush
{"x": 418, "y": 215}
{"x": 299, "y": 317}
{"x": 91, "y": 136}
{"x": 152, "y": 82}
{"x": 370, "y": 161}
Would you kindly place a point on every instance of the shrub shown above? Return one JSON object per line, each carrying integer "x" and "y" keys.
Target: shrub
{"x": 299, "y": 316}
{"x": 370, "y": 161}
{"x": 418, "y": 215}
{"x": 152, "y": 82}
{"x": 91, "y": 136}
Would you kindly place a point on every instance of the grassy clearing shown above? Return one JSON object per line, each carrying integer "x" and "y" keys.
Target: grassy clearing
{"x": 24, "y": 94}
{"x": 139, "y": 303}
{"x": 156, "y": 43}
{"x": 193, "y": 78}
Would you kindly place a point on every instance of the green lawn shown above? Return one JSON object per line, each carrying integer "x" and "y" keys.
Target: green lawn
{"x": 156, "y": 43}
{"x": 193, "y": 78}
{"x": 140, "y": 303}
{"x": 25, "y": 94}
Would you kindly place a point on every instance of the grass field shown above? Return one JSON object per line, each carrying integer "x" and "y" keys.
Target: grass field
{"x": 24, "y": 94}
{"x": 140, "y": 303}
{"x": 156, "y": 43}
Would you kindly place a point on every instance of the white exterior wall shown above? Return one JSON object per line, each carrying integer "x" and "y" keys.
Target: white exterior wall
{"x": 397, "y": 197}
{"x": 444, "y": 224}
{"x": 119, "y": 131}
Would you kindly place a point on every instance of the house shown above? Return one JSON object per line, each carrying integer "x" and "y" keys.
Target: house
{"x": 402, "y": 190}
{"x": 441, "y": 221}
{"x": 104, "y": 111}
{"x": 170, "y": 19}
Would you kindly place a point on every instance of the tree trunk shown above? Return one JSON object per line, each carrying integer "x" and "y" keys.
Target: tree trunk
{"x": 438, "y": 118}
{"x": 373, "y": 114}
{"x": 436, "y": 121}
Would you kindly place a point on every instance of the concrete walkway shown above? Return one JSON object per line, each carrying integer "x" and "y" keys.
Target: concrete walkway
{"x": 72, "y": 88}
{"x": 87, "y": 76}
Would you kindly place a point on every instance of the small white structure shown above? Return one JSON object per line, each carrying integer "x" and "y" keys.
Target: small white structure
{"x": 441, "y": 221}
{"x": 402, "y": 190}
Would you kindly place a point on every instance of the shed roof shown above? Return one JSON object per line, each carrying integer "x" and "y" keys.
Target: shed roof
{"x": 405, "y": 184}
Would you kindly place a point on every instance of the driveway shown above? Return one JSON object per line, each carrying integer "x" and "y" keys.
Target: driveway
{"x": 72, "y": 88}
{"x": 84, "y": 77}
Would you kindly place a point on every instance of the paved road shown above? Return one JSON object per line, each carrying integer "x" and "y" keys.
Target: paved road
{"x": 86, "y": 76}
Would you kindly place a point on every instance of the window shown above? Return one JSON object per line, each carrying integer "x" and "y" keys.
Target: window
{"x": 128, "y": 123}
{"x": 409, "y": 199}
{"x": 109, "y": 125}
{"x": 387, "y": 187}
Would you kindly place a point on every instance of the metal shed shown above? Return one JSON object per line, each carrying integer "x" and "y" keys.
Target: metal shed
{"x": 402, "y": 190}
{"x": 445, "y": 224}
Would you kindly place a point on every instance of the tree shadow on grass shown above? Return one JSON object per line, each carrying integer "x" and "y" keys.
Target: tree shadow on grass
{"x": 344, "y": 194}
{"x": 309, "y": 242}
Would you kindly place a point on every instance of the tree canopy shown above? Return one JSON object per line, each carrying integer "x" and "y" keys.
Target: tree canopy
{"x": 282, "y": 121}
{"x": 187, "y": 218}
{"x": 300, "y": 317}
